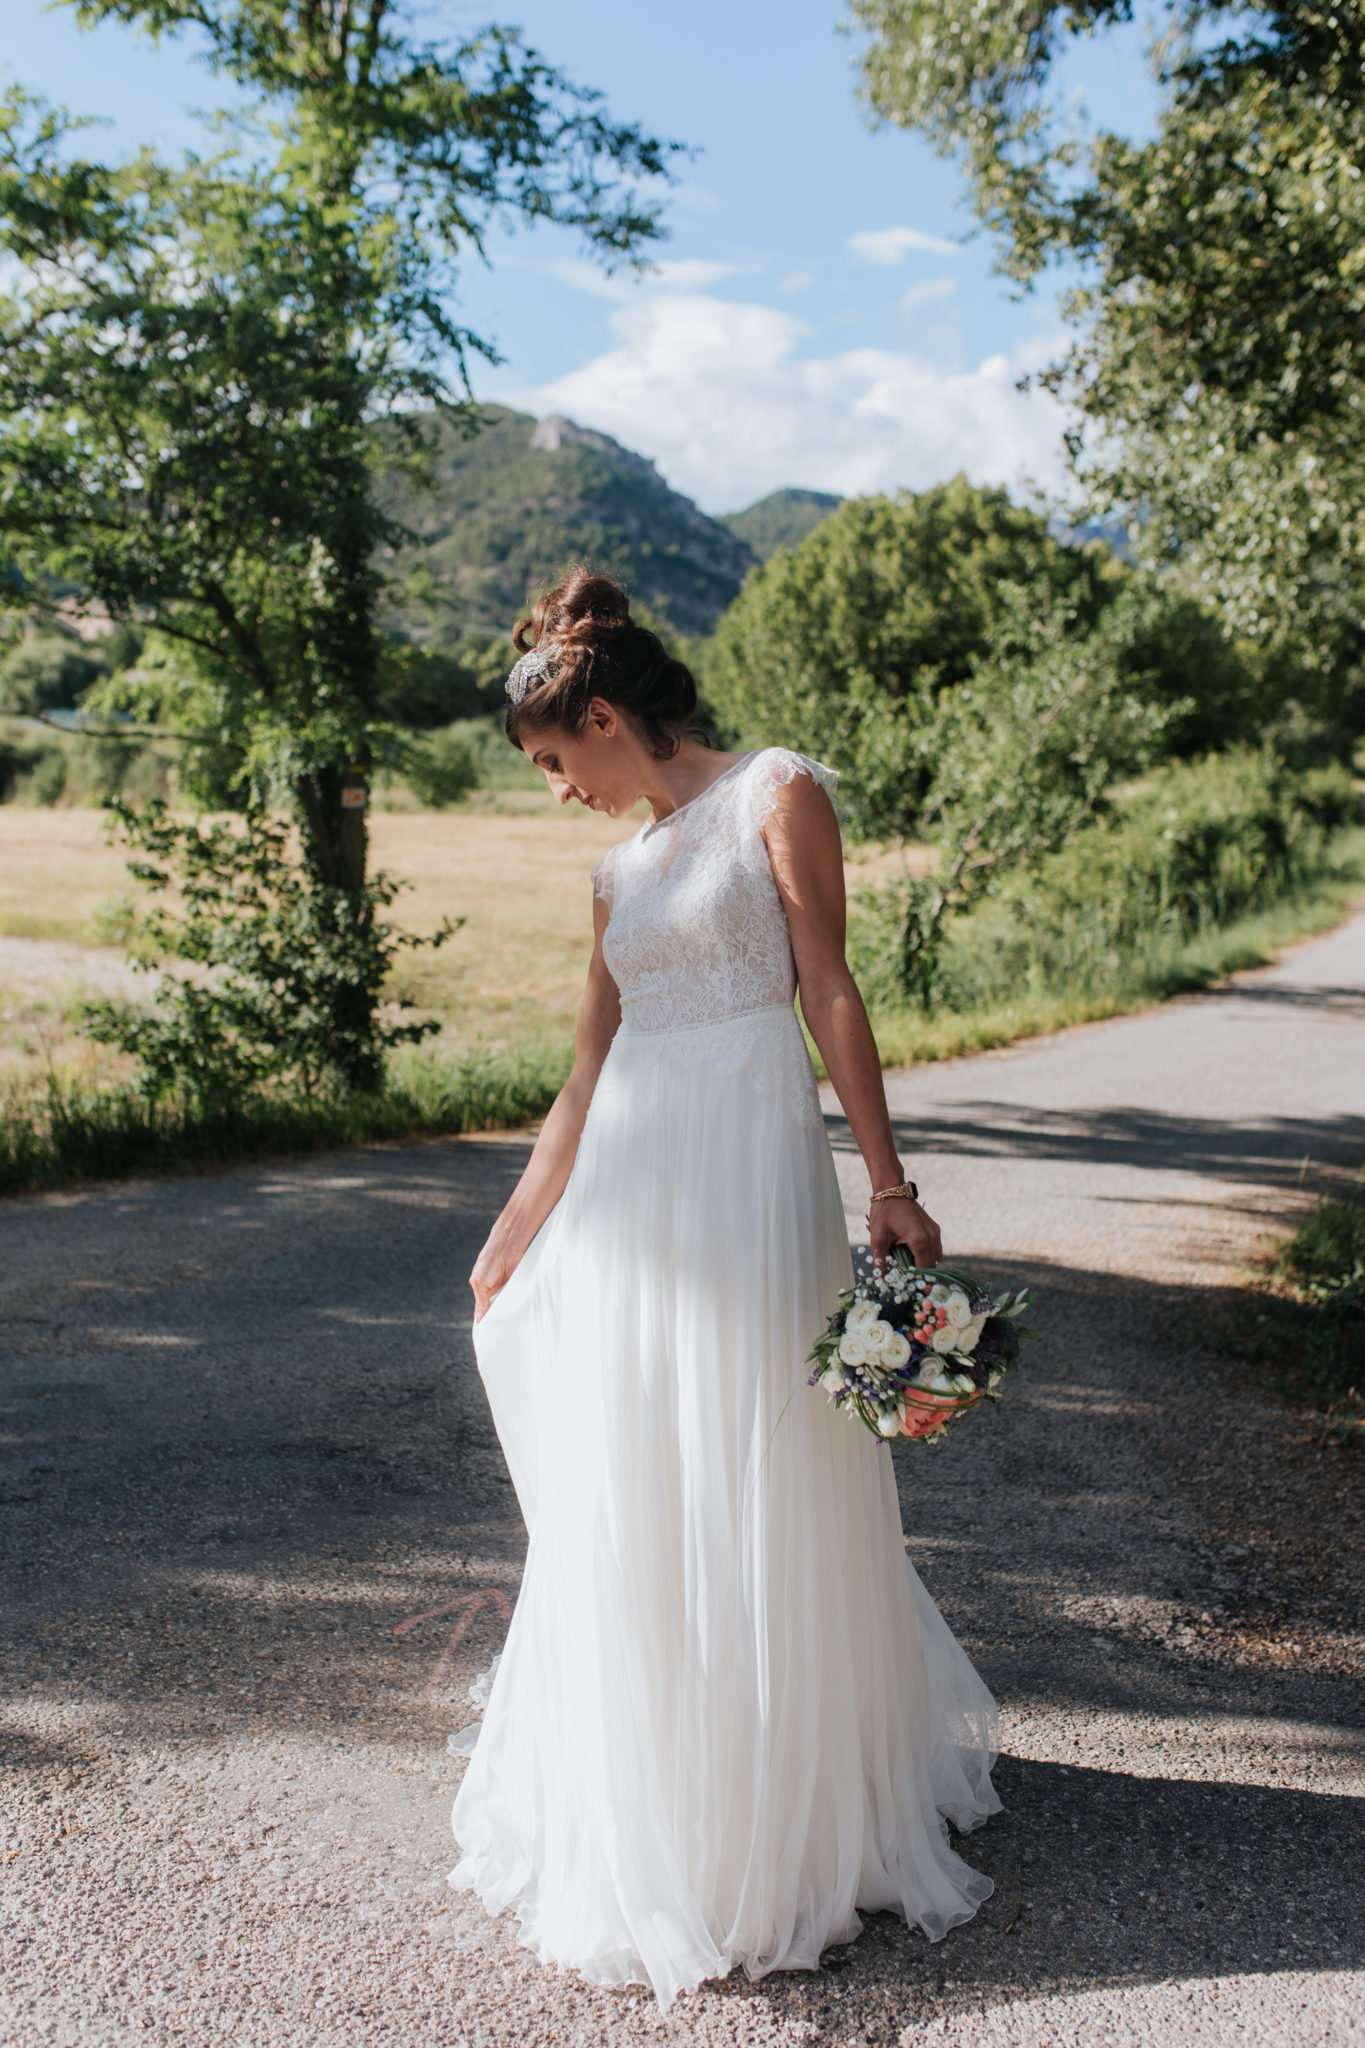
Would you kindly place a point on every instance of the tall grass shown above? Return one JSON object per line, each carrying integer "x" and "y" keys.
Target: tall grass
{"x": 73, "y": 1134}
{"x": 1204, "y": 868}
{"x": 1309, "y": 1324}
{"x": 1155, "y": 965}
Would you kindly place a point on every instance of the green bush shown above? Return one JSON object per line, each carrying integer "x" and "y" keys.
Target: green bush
{"x": 441, "y": 767}
{"x": 47, "y": 776}
{"x": 842, "y": 645}
{"x": 46, "y": 672}
{"x": 285, "y": 982}
{"x": 1322, "y": 1271}
{"x": 1192, "y": 847}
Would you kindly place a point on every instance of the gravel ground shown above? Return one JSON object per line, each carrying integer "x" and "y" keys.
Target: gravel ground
{"x": 258, "y": 1539}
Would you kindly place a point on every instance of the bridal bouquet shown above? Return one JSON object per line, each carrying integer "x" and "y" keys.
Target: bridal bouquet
{"x": 911, "y": 1349}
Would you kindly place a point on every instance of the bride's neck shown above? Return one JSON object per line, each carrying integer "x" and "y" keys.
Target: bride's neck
{"x": 672, "y": 783}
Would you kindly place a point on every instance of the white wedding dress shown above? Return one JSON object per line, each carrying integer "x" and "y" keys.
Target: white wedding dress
{"x": 728, "y": 1716}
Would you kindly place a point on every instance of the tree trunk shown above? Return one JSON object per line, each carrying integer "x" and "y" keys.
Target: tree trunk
{"x": 336, "y": 835}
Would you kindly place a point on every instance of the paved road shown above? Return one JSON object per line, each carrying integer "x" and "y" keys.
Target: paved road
{"x": 258, "y": 1538}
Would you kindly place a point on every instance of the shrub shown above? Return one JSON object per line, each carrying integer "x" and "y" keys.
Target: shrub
{"x": 289, "y": 977}
{"x": 1322, "y": 1270}
{"x": 1193, "y": 846}
{"x": 46, "y": 672}
{"x": 842, "y": 645}
{"x": 441, "y": 767}
{"x": 47, "y": 776}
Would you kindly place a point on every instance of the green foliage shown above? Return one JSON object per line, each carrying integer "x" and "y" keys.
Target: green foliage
{"x": 196, "y": 364}
{"x": 495, "y": 515}
{"x": 46, "y": 672}
{"x": 288, "y": 978}
{"x": 781, "y": 520}
{"x": 844, "y": 645}
{"x": 78, "y": 767}
{"x": 441, "y": 767}
{"x": 1217, "y": 364}
{"x": 48, "y": 775}
{"x": 1321, "y": 1271}
{"x": 74, "y": 1135}
{"x": 1020, "y": 757}
{"x": 433, "y": 687}
{"x": 1188, "y": 851}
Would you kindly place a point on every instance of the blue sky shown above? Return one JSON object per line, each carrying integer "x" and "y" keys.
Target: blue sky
{"x": 816, "y": 318}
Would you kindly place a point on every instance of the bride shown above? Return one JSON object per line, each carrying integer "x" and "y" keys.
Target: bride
{"x": 728, "y": 1716}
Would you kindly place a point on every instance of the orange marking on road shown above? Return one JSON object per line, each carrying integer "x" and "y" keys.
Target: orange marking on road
{"x": 469, "y": 1603}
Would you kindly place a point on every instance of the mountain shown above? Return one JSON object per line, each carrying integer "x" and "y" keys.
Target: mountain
{"x": 781, "y": 520}
{"x": 512, "y": 505}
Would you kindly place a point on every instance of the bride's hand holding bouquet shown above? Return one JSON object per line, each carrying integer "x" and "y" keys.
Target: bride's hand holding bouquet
{"x": 912, "y": 1346}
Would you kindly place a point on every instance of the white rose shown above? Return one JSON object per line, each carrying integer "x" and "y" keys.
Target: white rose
{"x": 831, "y": 1379}
{"x": 957, "y": 1308}
{"x": 939, "y": 1292}
{"x": 889, "y": 1422}
{"x": 897, "y": 1352}
{"x": 854, "y": 1348}
{"x": 879, "y": 1337}
{"x": 861, "y": 1315}
{"x": 946, "y": 1339}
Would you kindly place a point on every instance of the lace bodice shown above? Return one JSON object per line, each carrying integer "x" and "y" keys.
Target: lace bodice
{"x": 697, "y": 932}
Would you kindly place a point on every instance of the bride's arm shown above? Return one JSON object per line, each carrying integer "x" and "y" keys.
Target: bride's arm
{"x": 802, "y": 833}
{"x": 552, "y": 1157}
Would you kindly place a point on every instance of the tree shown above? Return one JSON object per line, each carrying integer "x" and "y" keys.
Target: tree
{"x": 195, "y": 362}
{"x": 845, "y": 644}
{"x": 1021, "y": 757}
{"x": 1216, "y": 370}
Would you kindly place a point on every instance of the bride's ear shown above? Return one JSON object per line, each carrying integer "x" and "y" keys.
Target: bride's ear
{"x": 605, "y": 717}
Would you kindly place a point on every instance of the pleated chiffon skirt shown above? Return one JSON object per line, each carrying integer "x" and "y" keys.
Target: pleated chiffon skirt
{"x": 728, "y": 1717}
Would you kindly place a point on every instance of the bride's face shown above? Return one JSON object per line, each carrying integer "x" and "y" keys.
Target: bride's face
{"x": 600, "y": 767}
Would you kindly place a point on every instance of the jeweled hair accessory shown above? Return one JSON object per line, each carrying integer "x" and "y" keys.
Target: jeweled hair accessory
{"x": 539, "y": 662}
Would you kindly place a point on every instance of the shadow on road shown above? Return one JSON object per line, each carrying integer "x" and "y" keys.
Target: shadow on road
{"x": 1106, "y": 1880}
{"x": 249, "y": 1482}
{"x": 1273, "y": 1148}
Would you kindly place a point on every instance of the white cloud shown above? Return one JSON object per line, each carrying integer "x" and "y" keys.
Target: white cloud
{"x": 688, "y": 275}
{"x": 716, "y": 392}
{"x": 586, "y": 277}
{"x": 925, "y": 293}
{"x": 892, "y": 245}
{"x": 797, "y": 281}
{"x": 623, "y": 285}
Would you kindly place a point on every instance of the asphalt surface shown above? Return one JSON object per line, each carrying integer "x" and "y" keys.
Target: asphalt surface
{"x": 258, "y": 1538}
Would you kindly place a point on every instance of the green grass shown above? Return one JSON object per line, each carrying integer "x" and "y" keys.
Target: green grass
{"x": 1308, "y": 1321}
{"x": 112, "y": 1133}
{"x": 76, "y": 1133}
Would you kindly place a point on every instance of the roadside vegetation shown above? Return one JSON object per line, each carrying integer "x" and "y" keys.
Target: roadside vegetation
{"x": 119, "y": 1131}
{"x": 257, "y": 585}
{"x": 1308, "y": 1323}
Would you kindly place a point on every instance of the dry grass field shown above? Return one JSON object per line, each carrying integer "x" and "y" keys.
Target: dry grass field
{"x": 515, "y": 868}
{"x": 516, "y": 872}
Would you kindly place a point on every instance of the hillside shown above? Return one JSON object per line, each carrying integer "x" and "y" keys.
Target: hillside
{"x": 522, "y": 499}
{"x": 781, "y": 520}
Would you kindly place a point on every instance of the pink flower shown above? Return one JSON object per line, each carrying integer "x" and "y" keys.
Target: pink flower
{"x": 922, "y": 1411}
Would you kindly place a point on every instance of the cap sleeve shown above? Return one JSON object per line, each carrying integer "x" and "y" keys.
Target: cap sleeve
{"x": 777, "y": 766}
{"x": 604, "y": 876}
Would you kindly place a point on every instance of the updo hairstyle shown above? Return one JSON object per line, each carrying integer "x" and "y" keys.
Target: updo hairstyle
{"x": 599, "y": 651}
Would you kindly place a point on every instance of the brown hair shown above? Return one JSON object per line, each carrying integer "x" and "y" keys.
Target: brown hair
{"x": 599, "y": 651}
